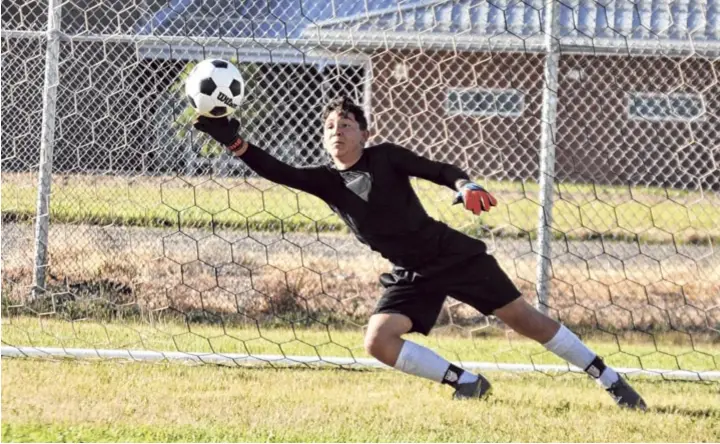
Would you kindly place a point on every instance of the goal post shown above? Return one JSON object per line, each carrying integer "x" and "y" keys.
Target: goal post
{"x": 595, "y": 126}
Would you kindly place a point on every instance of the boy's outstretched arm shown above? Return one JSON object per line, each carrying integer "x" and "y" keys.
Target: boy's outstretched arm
{"x": 473, "y": 196}
{"x": 225, "y": 131}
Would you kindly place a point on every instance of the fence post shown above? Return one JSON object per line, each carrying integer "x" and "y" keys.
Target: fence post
{"x": 47, "y": 140}
{"x": 547, "y": 151}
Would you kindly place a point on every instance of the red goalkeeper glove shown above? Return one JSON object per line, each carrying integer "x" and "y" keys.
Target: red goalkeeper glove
{"x": 475, "y": 198}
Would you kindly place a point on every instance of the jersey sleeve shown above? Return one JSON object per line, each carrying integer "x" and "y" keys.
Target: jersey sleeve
{"x": 406, "y": 161}
{"x": 311, "y": 180}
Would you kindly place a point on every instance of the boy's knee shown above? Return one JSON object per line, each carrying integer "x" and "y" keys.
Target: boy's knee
{"x": 383, "y": 339}
{"x": 376, "y": 341}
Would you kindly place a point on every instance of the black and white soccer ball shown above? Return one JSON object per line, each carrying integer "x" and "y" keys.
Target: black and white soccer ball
{"x": 215, "y": 88}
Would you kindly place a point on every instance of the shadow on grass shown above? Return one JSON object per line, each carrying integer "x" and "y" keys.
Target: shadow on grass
{"x": 693, "y": 413}
{"x": 559, "y": 408}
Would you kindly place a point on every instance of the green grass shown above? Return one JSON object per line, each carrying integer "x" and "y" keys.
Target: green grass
{"x": 626, "y": 349}
{"x": 580, "y": 211}
{"x": 58, "y": 401}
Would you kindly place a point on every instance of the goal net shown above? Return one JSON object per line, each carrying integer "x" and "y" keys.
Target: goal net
{"x": 127, "y": 235}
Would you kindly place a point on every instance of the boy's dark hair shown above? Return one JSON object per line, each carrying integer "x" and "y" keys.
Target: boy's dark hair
{"x": 346, "y": 106}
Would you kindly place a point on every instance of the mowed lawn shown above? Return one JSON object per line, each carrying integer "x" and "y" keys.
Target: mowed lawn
{"x": 580, "y": 211}
{"x": 67, "y": 401}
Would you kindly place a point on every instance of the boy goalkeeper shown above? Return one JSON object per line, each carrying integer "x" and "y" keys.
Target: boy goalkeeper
{"x": 369, "y": 188}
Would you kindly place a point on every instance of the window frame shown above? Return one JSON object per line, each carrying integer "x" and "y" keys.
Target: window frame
{"x": 479, "y": 113}
{"x": 631, "y": 96}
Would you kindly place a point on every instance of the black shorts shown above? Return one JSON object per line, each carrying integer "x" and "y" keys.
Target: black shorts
{"x": 477, "y": 281}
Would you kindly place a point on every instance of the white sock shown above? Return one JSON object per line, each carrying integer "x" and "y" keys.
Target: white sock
{"x": 569, "y": 347}
{"x": 420, "y": 361}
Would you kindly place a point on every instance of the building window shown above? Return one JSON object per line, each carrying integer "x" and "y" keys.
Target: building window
{"x": 665, "y": 107}
{"x": 484, "y": 102}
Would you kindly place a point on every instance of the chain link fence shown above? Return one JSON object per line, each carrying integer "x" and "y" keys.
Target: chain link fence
{"x": 594, "y": 124}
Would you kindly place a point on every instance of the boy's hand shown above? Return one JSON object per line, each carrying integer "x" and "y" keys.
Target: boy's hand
{"x": 223, "y": 130}
{"x": 475, "y": 198}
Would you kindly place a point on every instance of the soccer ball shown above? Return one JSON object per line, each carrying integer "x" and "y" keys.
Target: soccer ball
{"x": 215, "y": 88}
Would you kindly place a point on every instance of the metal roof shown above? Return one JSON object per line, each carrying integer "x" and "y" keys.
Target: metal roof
{"x": 630, "y": 22}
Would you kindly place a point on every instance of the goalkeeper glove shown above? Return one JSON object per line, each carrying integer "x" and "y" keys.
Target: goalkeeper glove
{"x": 475, "y": 198}
{"x": 224, "y": 131}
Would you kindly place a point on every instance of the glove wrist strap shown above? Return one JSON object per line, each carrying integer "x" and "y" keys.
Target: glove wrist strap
{"x": 238, "y": 147}
{"x": 472, "y": 186}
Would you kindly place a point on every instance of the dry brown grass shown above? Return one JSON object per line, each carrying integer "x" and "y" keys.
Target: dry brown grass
{"x": 88, "y": 263}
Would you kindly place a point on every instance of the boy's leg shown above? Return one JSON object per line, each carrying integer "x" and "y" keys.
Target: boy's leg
{"x": 383, "y": 341}
{"x": 485, "y": 286}
{"x": 383, "y": 338}
{"x": 528, "y": 321}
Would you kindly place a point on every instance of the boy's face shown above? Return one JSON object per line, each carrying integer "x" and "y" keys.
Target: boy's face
{"x": 343, "y": 136}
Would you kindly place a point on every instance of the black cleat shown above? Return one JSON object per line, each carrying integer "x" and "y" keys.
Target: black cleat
{"x": 469, "y": 390}
{"x": 625, "y": 396}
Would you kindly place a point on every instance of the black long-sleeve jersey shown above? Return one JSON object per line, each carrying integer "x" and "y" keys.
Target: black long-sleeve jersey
{"x": 376, "y": 200}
